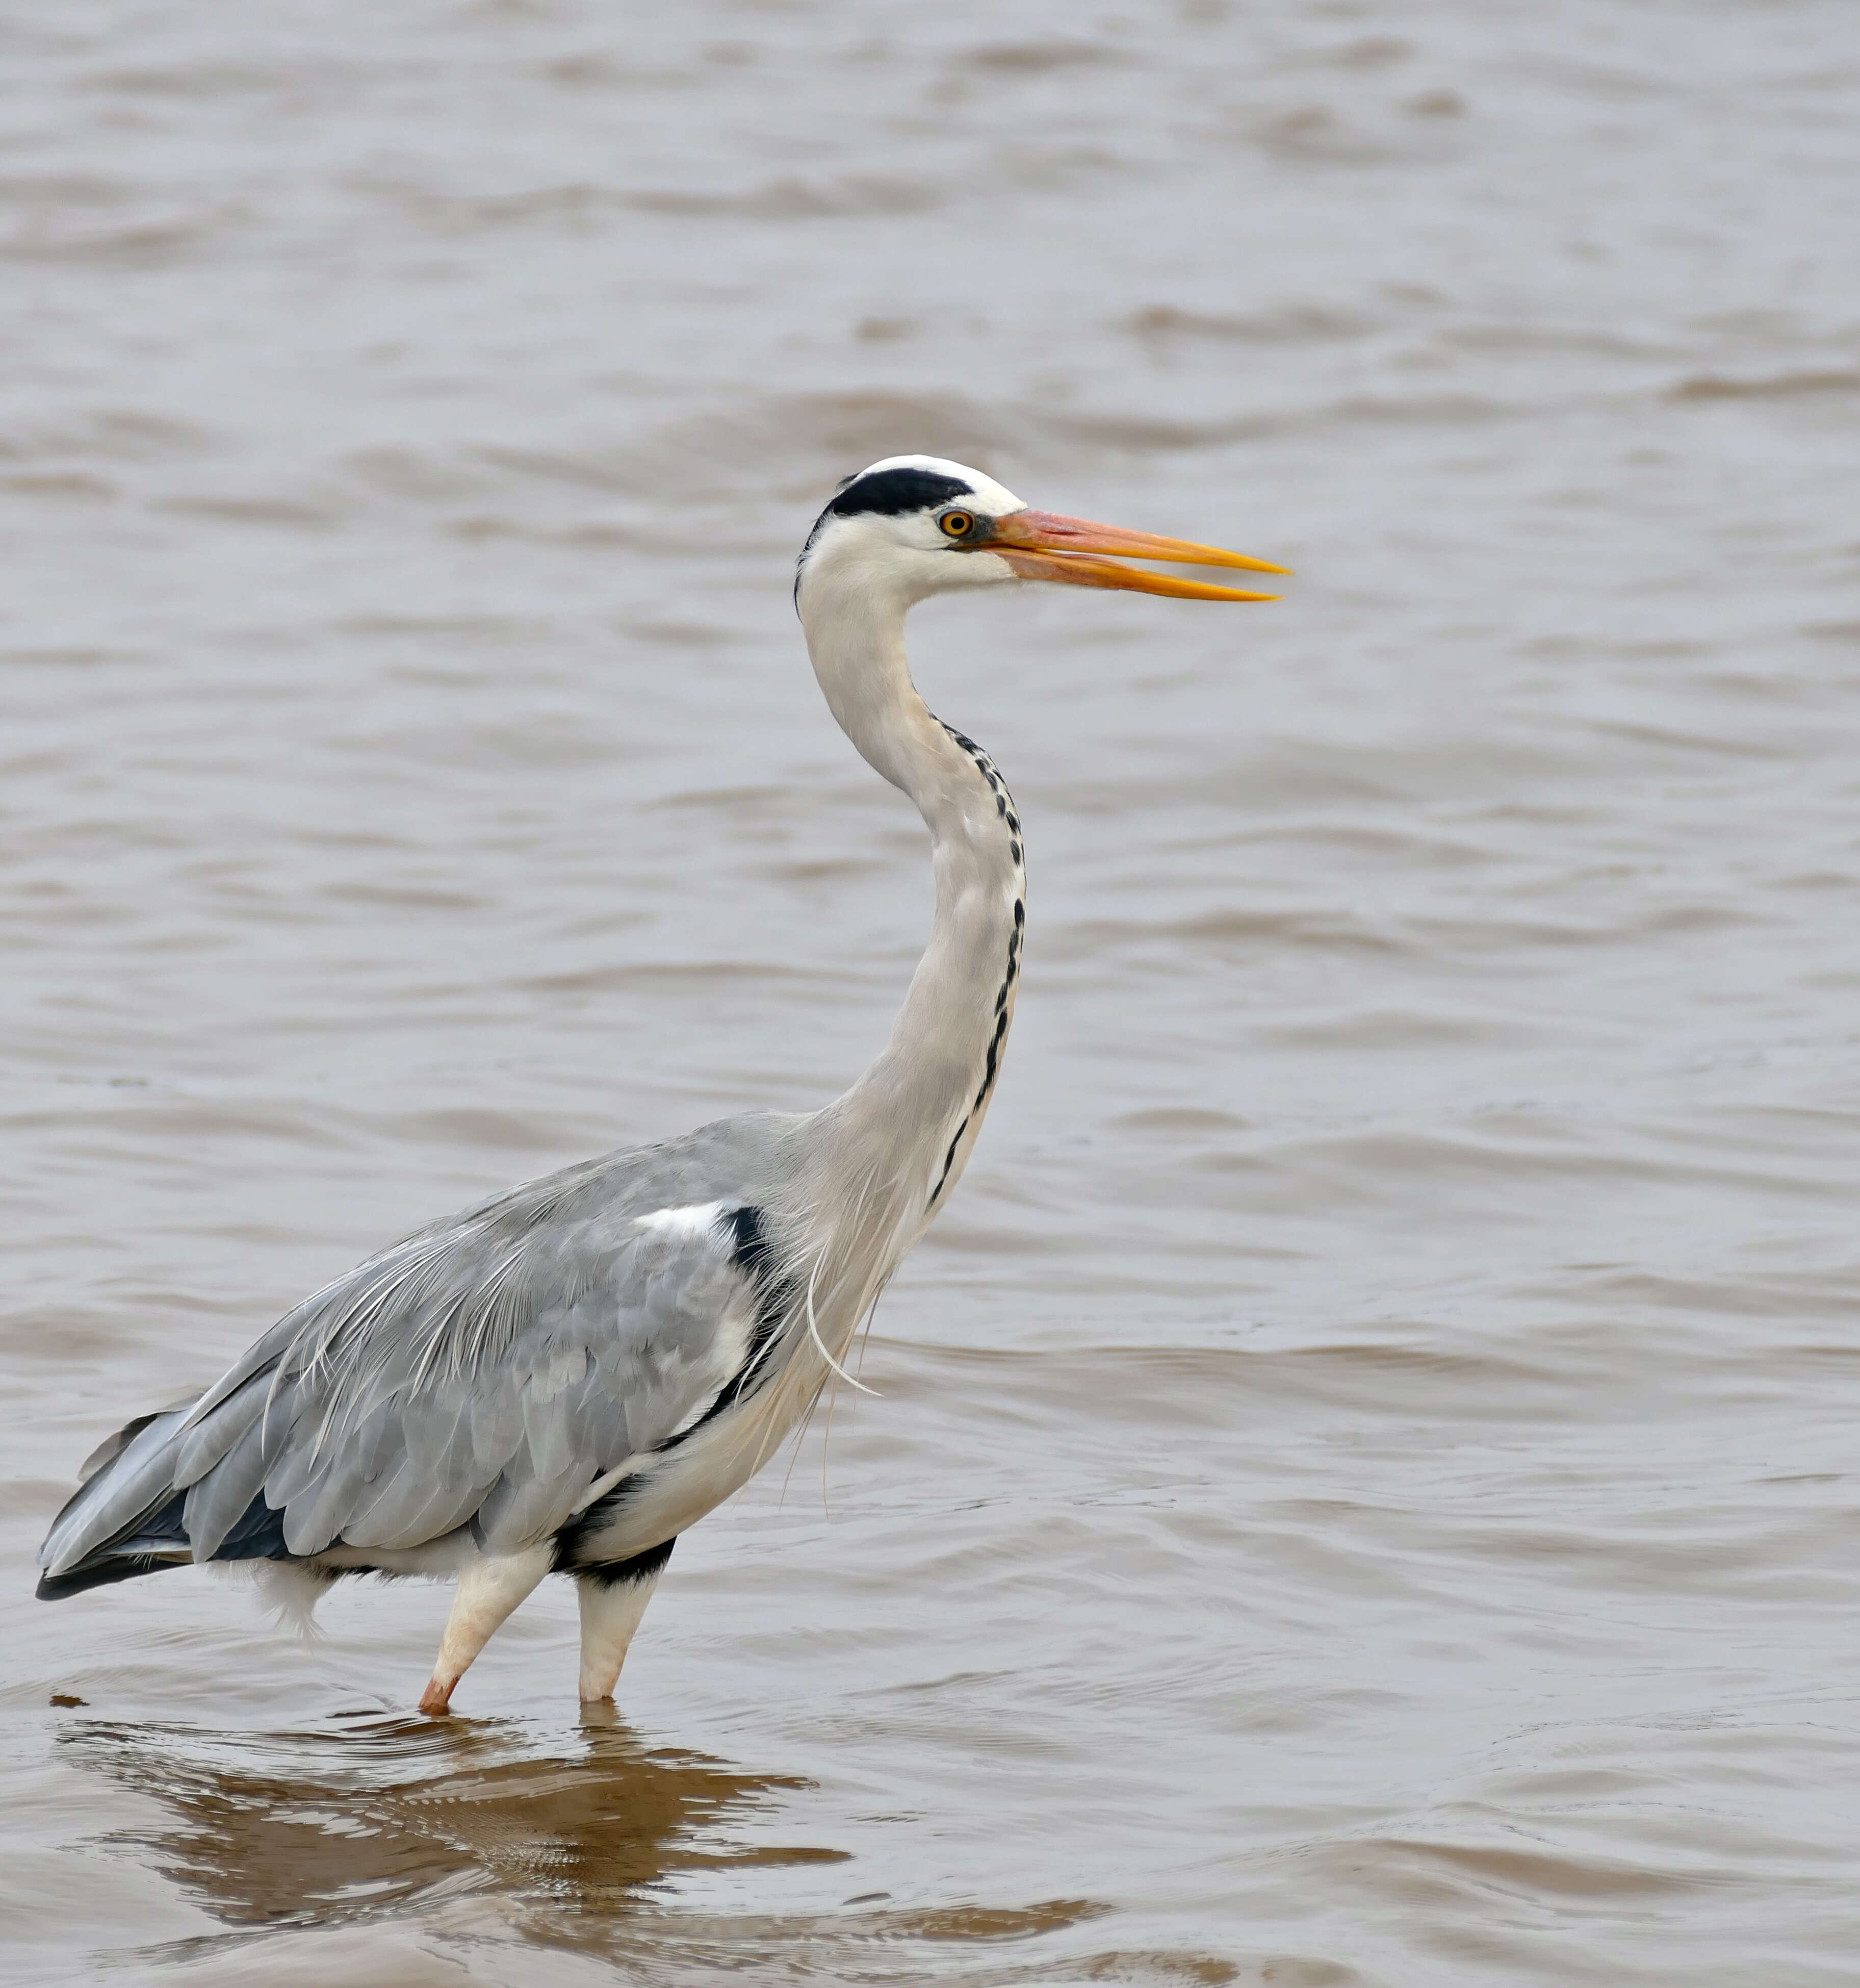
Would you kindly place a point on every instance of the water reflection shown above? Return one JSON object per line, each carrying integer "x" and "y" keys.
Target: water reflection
{"x": 508, "y": 1829}
{"x": 377, "y": 1814}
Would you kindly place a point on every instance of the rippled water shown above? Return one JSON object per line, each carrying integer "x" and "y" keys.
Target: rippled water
{"x": 1364, "y": 1491}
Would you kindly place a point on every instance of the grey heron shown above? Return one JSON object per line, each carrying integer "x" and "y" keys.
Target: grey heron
{"x": 565, "y": 1377}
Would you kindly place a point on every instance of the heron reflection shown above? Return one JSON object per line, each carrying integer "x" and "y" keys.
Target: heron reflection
{"x": 378, "y": 1815}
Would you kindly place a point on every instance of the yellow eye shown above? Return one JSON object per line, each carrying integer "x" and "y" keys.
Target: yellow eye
{"x": 958, "y": 524}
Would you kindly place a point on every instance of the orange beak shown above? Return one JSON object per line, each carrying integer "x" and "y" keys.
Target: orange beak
{"x": 1042, "y": 545}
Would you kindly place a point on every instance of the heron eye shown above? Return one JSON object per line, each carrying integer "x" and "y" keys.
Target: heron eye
{"x": 958, "y": 524}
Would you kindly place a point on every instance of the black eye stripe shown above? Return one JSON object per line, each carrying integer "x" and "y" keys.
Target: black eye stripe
{"x": 891, "y": 492}
{"x": 887, "y": 493}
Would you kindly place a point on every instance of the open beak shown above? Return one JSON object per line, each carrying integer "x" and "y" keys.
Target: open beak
{"x": 1042, "y": 545}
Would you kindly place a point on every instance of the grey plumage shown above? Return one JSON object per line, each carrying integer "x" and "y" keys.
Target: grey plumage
{"x": 567, "y": 1375}
{"x": 482, "y": 1372}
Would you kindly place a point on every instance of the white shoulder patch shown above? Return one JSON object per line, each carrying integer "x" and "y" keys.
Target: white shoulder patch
{"x": 685, "y": 1224}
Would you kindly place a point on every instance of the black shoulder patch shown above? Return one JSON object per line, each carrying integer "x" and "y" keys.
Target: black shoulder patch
{"x": 891, "y": 492}
{"x": 776, "y": 1297}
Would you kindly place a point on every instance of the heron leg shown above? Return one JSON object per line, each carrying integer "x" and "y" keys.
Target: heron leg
{"x": 488, "y": 1592}
{"x": 613, "y": 1598}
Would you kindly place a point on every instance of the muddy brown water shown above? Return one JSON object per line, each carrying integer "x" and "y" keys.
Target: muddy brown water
{"x": 1364, "y": 1491}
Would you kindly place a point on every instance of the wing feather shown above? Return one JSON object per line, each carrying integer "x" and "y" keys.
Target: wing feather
{"x": 488, "y": 1369}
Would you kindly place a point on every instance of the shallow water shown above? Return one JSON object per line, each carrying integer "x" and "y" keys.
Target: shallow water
{"x": 1364, "y": 1491}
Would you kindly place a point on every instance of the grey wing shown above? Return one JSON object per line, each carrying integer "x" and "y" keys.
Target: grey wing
{"x": 486, "y": 1371}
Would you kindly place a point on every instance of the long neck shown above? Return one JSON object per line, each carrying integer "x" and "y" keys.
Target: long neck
{"x": 895, "y": 1144}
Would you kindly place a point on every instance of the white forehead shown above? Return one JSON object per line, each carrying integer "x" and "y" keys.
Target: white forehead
{"x": 990, "y": 499}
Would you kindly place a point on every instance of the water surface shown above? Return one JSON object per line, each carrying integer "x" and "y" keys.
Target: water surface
{"x": 1364, "y": 1489}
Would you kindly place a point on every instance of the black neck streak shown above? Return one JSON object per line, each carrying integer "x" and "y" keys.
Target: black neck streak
{"x": 1005, "y": 810}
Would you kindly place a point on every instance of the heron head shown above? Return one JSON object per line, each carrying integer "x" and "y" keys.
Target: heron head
{"x": 913, "y": 525}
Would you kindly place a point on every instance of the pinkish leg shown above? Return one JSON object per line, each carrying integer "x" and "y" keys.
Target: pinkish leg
{"x": 488, "y": 1592}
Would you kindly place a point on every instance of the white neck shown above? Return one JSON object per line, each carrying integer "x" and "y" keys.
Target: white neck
{"x": 896, "y": 1144}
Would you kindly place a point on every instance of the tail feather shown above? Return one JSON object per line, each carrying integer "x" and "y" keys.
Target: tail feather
{"x": 127, "y": 1519}
{"x": 105, "y": 1573}
{"x": 113, "y": 1446}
